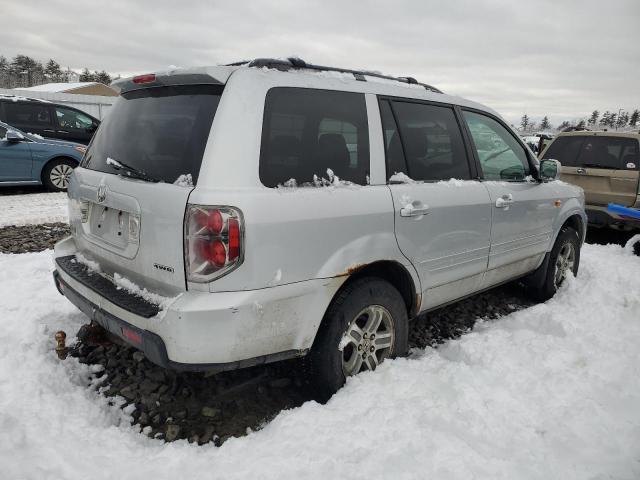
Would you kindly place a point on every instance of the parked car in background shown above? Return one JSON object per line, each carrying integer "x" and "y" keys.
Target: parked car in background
{"x": 607, "y": 167}
{"x": 537, "y": 141}
{"x": 27, "y": 159}
{"x": 49, "y": 120}
{"x": 229, "y": 216}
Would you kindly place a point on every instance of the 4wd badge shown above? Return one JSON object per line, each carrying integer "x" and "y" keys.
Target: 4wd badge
{"x": 163, "y": 268}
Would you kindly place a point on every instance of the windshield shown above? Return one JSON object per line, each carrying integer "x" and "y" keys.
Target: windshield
{"x": 160, "y": 131}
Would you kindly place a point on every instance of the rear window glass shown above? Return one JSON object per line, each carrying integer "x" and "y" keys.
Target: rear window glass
{"x": 306, "y": 132}
{"x": 26, "y": 114}
{"x": 565, "y": 150}
{"x": 616, "y": 153}
{"x": 160, "y": 131}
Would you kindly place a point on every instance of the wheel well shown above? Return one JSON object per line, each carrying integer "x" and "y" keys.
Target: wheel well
{"x": 396, "y": 275}
{"x": 575, "y": 222}
{"x": 51, "y": 160}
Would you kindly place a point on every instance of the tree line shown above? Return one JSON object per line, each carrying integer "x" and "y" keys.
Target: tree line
{"x": 617, "y": 120}
{"x": 23, "y": 71}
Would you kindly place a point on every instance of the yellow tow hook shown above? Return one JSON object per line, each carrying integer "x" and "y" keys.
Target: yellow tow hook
{"x": 61, "y": 349}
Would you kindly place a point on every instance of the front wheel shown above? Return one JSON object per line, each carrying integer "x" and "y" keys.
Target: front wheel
{"x": 56, "y": 174}
{"x": 564, "y": 259}
{"x": 366, "y": 324}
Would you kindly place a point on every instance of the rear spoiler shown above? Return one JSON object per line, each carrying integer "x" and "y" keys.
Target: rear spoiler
{"x": 163, "y": 80}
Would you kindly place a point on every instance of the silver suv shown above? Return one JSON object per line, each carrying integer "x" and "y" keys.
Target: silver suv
{"x": 229, "y": 216}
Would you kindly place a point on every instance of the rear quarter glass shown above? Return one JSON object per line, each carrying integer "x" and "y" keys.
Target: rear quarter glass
{"x": 161, "y": 131}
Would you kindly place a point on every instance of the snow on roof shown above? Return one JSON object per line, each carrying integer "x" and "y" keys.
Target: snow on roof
{"x": 20, "y": 98}
{"x": 59, "y": 87}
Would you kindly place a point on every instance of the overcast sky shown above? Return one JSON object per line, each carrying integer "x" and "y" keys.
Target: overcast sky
{"x": 556, "y": 58}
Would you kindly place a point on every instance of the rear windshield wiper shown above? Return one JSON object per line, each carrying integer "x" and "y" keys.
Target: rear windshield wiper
{"x": 129, "y": 171}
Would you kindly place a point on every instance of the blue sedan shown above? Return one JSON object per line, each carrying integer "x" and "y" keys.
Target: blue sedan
{"x": 27, "y": 159}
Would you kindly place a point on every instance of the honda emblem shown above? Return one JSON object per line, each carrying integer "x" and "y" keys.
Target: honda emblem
{"x": 102, "y": 193}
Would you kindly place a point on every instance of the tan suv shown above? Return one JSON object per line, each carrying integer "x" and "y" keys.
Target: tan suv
{"x": 606, "y": 165}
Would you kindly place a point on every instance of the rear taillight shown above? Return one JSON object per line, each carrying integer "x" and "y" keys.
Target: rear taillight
{"x": 147, "y": 78}
{"x": 213, "y": 241}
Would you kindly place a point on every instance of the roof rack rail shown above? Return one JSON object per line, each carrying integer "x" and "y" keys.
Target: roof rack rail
{"x": 297, "y": 63}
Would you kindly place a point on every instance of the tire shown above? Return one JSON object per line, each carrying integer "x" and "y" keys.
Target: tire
{"x": 55, "y": 175}
{"x": 347, "y": 326}
{"x": 568, "y": 239}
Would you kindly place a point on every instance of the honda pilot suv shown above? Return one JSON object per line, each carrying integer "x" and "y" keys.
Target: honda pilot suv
{"x": 607, "y": 166}
{"x": 229, "y": 216}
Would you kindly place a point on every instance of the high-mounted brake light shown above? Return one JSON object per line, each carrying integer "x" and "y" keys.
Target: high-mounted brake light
{"x": 213, "y": 241}
{"x": 147, "y": 78}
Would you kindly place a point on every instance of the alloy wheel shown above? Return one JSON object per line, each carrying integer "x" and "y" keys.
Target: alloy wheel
{"x": 564, "y": 263}
{"x": 369, "y": 339}
{"x": 60, "y": 174}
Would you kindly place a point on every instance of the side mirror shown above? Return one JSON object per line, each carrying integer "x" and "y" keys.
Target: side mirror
{"x": 549, "y": 170}
{"x": 14, "y": 137}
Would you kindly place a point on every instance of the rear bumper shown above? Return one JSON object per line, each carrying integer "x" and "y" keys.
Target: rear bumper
{"x": 601, "y": 217}
{"x": 214, "y": 331}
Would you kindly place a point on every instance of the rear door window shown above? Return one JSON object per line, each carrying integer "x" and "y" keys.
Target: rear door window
{"x": 565, "y": 150}
{"x": 307, "y": 132}
{"x": 431, "y": 141}
{"x": 616, "y": 153}
{"x": 161, "y": 131}
{"x": 28, "y": 115}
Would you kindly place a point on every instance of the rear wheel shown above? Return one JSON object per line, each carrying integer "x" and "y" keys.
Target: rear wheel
{"x": 564, "y": 260}
{"x": 56, "y": 174}
{"x": 366, "y": 324}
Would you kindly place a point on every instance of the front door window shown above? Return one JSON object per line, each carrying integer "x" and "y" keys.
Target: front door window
{"x": 501, "y": 155}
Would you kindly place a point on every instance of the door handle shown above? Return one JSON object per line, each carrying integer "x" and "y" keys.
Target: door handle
{"x": 62, "y": 131}
{"x": 581, "y": 170}
{"x": 48, "y": 130}
{"x": 504, "y": 201}
{"x": 414, "y": 209}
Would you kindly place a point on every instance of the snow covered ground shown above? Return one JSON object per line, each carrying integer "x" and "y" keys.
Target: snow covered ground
{"x": 33, "y": 208}
{"x": 550, "y": 392}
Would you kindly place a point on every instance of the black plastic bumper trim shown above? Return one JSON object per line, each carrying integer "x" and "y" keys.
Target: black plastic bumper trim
{"x": 103, "y": 287}
{"x": 152, "y": 344}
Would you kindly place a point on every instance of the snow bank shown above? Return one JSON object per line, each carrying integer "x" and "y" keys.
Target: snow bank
{"x": 34, "y": 208}
{"x": 552, "y": 391}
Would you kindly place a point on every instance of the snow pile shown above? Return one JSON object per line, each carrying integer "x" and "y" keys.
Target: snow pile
{"x": 290, "y": 184}
{"x": 90, "y": 264}
{"x": 34, "y": 208}
{"x": 455, "y": 182}
{"x": 552, "y": 391}
{"x": 184, "y": 180}
{"x": 113, "y": 163}
{"x": 332, "y": 181}
{"x": 126, "y": 284}
{"x": 401, "y": 177}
